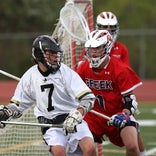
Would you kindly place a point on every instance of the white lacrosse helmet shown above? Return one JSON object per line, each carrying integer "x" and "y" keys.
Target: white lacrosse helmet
{"x": 97, "y": 39}
{"x": 108, "y": 21}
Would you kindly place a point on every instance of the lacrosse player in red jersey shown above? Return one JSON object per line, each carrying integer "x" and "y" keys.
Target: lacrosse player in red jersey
{"x": 112, "y": 82}
{"x": 108, "y": 21}
{"x": 59, "y": 100}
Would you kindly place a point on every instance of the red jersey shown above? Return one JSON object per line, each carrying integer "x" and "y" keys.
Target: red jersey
{"x": 108, "y": 85}
{"x": 118, "y": 50}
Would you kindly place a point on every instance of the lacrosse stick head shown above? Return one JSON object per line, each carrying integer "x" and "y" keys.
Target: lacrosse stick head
{"x": 74, "y": 23}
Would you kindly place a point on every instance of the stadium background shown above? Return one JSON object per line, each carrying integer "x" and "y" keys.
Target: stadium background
{"x": 22, "y": 21}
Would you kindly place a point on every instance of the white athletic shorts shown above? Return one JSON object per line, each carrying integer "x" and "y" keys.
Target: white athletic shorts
{"x": 55, "y": 136}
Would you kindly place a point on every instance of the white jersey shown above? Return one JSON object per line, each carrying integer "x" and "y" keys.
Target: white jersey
{"x": 54, "y": 94}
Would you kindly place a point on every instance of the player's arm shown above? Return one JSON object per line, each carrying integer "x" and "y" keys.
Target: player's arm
{"x": 75, "y": 117}
{"x": 8, "y": 112}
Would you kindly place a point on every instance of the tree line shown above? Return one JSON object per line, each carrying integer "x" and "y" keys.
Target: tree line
{"x": 30, "y": 18}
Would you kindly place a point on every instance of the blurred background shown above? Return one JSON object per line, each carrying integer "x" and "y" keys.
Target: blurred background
{"x": 23, "y": 20}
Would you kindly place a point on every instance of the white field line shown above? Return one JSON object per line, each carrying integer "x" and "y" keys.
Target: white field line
{"x": 147, "y": 123}
{"x": 151, "y": 151}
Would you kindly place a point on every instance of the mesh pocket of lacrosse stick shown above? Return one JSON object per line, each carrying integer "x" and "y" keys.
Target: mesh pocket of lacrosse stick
{"x": 74, "y": 22}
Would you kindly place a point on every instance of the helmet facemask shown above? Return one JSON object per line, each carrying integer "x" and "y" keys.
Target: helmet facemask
{"x": 53, "y": 67}
{"x": 96, "y": 61}
{"x": 98, "y": 47}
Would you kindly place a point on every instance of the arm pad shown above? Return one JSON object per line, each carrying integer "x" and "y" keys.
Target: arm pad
{"x": 86, "y": 104}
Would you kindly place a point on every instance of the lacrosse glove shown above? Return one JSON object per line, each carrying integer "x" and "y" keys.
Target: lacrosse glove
{"x": 119, "y": 120}
{"x": 5, "y": 114}
{"x": 73, "y": 119}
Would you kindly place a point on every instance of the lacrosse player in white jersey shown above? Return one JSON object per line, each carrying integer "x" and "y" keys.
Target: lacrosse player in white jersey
{"x": 61, "y": 97}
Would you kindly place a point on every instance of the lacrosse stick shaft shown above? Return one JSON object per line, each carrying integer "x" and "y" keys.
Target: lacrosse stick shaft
{"x": 32, "y": 124}
{"x": 99, "y": 114}
{"x": 9, "y": 75}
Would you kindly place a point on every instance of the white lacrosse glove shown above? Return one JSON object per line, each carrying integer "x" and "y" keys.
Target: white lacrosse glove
{"x": 73, "y": 119}
{"x": 8, "y": 112}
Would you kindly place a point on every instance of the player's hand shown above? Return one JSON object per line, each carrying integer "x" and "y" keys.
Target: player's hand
{"x": 119, "y": 120}
{"x": 72, "y": 120}
{"x": 5, "y": 114}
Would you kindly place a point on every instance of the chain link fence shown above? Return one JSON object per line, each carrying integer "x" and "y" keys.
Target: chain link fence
{"x": 15, "y": 51}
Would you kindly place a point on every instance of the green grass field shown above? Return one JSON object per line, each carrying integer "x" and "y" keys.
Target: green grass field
{"x": 148, "y": 112}
{"x": 19, "y": 140}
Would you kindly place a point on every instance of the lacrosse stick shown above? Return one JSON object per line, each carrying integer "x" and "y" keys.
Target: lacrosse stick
{"x": 99, "y": 114}
{"x": 73, "y": 21}
{"x": 9, "y": 75}
{"x": 32, "y": 124}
